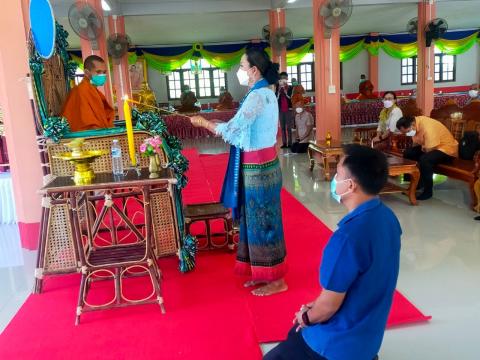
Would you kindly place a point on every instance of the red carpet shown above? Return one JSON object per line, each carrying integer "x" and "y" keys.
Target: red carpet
{"x": 209, "y": 314}
{"x": 304, "y": 234}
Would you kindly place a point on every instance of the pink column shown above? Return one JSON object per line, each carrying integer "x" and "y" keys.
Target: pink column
{"x": 121, "y": 77}
{"x": 373, "y": 68}
{"x": 327, "y": 77}
{"x": 278, "y": 20}
{"x": 19, "y": 123}
{"x": 425, "y": 60}
{"x": 101, "y": 50}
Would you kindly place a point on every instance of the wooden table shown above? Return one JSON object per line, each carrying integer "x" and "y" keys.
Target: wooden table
{"x": 326, "y": 151}
{"x": 70, "y": 215}
{"x": 398, "y": 166}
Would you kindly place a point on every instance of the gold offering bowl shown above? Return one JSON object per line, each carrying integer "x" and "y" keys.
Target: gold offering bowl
{"x": 82, "y": 160}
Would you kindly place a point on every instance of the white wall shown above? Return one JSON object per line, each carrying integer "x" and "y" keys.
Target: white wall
{"x": 352, "y": 70}
{"x": 468, "y": 72}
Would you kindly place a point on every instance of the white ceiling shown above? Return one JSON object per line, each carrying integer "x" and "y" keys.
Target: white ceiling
{"x": 164, "y": 22}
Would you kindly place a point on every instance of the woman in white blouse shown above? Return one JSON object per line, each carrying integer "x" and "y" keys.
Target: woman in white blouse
{"x": 389, "y": 116}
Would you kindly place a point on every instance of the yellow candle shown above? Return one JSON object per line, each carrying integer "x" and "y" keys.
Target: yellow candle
{"x": 128, "y": 122}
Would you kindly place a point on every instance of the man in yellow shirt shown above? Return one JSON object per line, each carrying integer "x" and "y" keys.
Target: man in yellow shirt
{"x": 433, "y": 145}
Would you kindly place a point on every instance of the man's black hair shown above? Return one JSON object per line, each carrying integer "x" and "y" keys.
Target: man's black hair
{"x": 405, "y": 122}
{"x": 367, "y": 166}
{"x": 283, "y": 73}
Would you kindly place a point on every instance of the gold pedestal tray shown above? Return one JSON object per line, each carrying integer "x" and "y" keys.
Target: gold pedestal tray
{"x": 82, "y": 160}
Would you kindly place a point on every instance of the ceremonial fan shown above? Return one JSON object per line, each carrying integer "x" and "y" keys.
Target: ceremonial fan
{"x": 434, "y": 30}
{"x": 281, "y": 38}
{"x": 335, "y": 14}
{"x": 117, "y": 46}
{"x": 86, "y": 22}
{"x": 412, "y": 26}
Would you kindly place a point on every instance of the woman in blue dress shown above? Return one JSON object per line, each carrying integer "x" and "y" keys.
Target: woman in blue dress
{"x": 253, "y": 181}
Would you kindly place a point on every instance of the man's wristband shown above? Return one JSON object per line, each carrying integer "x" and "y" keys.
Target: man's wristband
{"x": 305, "y": 318}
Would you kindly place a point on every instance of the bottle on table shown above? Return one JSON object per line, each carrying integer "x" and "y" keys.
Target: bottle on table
{"x": 117, "y": 164}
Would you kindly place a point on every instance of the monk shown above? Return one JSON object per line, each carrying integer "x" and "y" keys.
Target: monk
{"x": 366, "y": 91}
{"x": 225, "y": 101}
{"x": 188, "y": 101}
{"x": 86, "y": 108}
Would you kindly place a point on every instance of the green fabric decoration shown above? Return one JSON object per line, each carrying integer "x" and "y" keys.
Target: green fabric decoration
{"x": 350, "y": 51}
{"x": 55, "y": 128}
{"x": 149, "y": 121}
{"x": 456, "y": 47}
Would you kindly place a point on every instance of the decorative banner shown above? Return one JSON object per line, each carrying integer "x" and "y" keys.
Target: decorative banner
{"x": 224, "y": 57}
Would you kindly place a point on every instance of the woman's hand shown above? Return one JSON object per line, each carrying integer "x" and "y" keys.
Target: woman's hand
{"x": 198, "y": 121}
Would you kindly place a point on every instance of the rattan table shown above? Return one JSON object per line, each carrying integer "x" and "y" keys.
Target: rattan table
{"x": 70, "y": 214}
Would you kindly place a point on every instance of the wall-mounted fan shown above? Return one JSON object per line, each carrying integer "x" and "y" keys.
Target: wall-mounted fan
{"x": 266, "y": 33}
{"x": 435, "y": 29}
{"x": 335, "y": 14}
{"x": 281, "y": 38}
{"x": 412, "y": 26}
{"x": 117, "y": 46}
{"x": 86, "y": 22}
{"x": 278, "y": 4}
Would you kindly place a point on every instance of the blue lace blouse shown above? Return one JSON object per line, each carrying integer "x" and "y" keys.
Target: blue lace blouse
{"x": 255, "y": 125}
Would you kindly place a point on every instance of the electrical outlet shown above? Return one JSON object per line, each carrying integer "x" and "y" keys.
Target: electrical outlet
{"x": 332, "y": 89}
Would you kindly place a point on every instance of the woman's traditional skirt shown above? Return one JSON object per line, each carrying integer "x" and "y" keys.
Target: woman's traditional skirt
{"x": 261, "y": 249}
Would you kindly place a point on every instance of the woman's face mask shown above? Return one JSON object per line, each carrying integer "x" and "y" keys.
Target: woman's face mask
{"x": 388, "y": 103}
{"x": 243, "y": 77}
{"x": 333, "y": 189}
{"x": 299, "y": 110}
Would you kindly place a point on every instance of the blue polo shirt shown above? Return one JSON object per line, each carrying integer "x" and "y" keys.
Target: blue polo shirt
{"x": 361, "y": 259}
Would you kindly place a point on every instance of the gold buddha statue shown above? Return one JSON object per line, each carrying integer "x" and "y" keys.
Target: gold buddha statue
{"x": 146, "y": 98}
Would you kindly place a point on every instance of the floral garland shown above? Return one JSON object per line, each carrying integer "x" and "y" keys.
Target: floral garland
{"x": 151, "y": 122}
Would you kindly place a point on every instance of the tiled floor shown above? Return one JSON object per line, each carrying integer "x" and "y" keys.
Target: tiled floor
{"x": 440, "y": 264}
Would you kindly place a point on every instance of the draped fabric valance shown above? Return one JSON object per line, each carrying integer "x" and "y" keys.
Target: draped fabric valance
{"x": 226, "y": 56}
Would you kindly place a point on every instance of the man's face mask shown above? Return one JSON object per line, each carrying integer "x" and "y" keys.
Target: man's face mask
{"x": 98, "y": 79}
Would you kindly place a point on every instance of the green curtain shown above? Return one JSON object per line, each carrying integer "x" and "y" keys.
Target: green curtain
{"x": 223, "y": 61}
{"x": 166, "y": 64}
{"x": 348, "y": 52}
{"x": 399, "y": 51}
{"x": 456, "y": 47}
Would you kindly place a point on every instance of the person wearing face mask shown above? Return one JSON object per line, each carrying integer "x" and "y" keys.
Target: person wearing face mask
{"x": 86, "y": 108}
{"x": 253, "y": 180}
{"x": 389, "y": 116}
{"x": 284, "y": 97}
{"x": 304, "y": 124}
{"x": 433, "y": 144}
{"x": 225, "y": 101}
{"x": 188, "y": 101}
{"x": 358, "y": 272}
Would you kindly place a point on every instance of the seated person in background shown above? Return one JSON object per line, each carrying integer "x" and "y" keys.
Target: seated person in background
{"x": 365, "y": 90}
{"x": 225, "y": 101}
{"x": 389, "y": 116}
{"x": 358, "y": 272}
{"x": 304, "y": 124}
{"x": 188, "y": 101}
{"x": 433, "y": 145}
{"x": 297, "y": 92}
{"x": 86, "y": 108}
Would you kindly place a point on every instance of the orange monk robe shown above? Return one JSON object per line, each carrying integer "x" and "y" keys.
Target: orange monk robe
{"x": 86, "y": 108}
{"x": 366, "y": 91}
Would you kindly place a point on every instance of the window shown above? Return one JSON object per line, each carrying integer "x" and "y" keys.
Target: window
{"x": 78, "y": 76}
{"x": 202, "y": 78}
{"x": 409, "y": 71}
{"x": 304, "y": 72}
{"x": 445, "y": 68}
